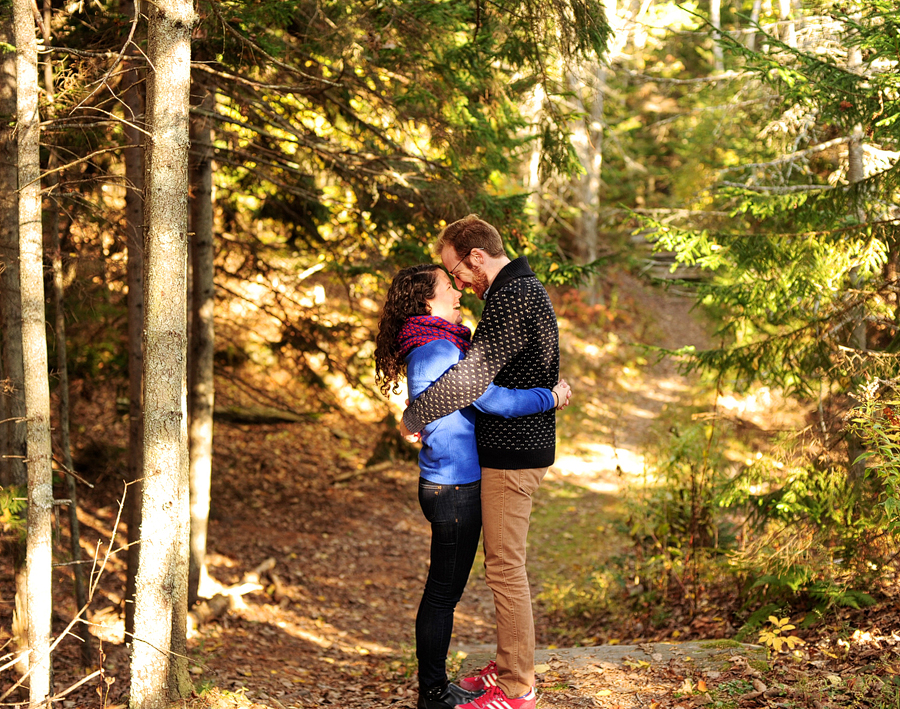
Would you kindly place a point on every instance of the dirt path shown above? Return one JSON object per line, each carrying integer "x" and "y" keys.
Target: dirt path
{"x": 621, "y": 387}
{"x": 333, "y": 624}
{"x": 333, "y": 627}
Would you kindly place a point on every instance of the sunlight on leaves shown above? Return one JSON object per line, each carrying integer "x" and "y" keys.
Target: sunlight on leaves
{"x": 773, "y": 638}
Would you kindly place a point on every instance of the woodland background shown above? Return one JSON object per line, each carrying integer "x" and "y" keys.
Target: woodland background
{"x": 203, "y": 206}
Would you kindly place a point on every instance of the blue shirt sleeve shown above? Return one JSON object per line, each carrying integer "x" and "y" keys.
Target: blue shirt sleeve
{"x": 509, "y": 403}
{"x": 426, "y": 364}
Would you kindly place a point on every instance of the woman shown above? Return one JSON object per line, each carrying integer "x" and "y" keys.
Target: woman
{"x": 420, "y": 332}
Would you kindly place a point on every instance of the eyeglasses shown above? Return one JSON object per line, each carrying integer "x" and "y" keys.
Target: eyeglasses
{"x": 462, "y": 259}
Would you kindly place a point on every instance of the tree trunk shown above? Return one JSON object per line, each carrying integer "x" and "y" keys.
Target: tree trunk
{"x": 12, "y": 374}
{"x": 158, "y": 666}
{"x": 856, "y": 172}
{"x": 715, "y": 19}
{"x": 65, "y": 446}
{"x": 34, "y": 348}
{"x": 202, "y": 388}
{"x": 754, "y": 20}
{"x": 587, "y": 139}
{"x": 788, "y": 29}
{"x": 133, "y": 100}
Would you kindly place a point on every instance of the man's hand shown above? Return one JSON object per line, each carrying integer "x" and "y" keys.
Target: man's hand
{"x": 563, "y": 393}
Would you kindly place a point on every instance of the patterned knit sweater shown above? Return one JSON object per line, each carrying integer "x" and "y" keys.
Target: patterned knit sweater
{"x": 516, "y": 345}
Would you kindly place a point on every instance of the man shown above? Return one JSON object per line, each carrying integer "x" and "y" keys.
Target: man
{"x": 516, "y": 345}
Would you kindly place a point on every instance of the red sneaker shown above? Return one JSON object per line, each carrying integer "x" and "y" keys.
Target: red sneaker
{"x": 484, "y": 679}
{"x": 495, "y": 698}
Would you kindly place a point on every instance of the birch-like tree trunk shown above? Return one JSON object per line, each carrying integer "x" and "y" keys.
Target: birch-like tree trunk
{"x": 12, "y": 373}
{"x": 202, "y": 388}
{"x": 133, "y": 100}
{"x": 158, "y": 667}
{"x": 754, "y": 20}
{"x": 856, "y": 172}
{"x": 587, "y": 139}
{"x": 788, "y": 28}
{"x": 34, "y": 350}
{"x": 715, "y": 19}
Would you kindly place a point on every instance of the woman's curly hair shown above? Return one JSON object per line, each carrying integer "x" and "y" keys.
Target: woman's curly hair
{"x": 408, "y": 295}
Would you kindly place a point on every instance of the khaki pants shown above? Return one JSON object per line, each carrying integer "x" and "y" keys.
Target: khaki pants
{"x": 505, "y": 514}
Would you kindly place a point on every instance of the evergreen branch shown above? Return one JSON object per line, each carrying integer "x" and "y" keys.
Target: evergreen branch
{"x": 214, "y": 4}
{"x": 788, "y": 189}
{"x": 817, "y": 232}
{"x": 318, "y": 147}
{"x": 674, "y": 212}
{"x": 286, "y": 88}
{"x": 726, "y": 76}
{"x": 693, "y": 111}
{"x": 800, "y": 154}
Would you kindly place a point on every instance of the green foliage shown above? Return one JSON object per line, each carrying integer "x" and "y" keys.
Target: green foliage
{"x": 798, "y": 250}
{"x": 679, "y": 518}
{"x": 13, "y": 504}
{"x": 801, "y": 258}
{"x": 876, "y": 421}
{"x": 677, "y": 508}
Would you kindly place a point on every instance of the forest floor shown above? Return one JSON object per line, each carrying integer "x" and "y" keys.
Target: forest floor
{"x": 331, "y": 621}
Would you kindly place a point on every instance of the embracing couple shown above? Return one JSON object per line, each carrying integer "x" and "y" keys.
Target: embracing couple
{"x": 485, "y": 407}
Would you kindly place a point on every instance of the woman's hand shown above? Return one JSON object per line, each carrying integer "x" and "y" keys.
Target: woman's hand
{"x": 563, "y": 394}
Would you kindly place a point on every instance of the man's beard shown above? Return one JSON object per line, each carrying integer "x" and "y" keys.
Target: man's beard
{"x": 480, "y": 283}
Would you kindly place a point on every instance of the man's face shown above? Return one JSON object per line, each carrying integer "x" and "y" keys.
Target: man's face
{"x": 466, "y": 270}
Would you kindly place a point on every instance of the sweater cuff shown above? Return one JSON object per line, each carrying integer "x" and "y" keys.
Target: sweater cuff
{"x": 412, "y": 423}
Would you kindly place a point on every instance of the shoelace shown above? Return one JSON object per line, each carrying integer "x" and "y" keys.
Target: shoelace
{"x": 489, "y": 670}
{"x": 490, "y": 699}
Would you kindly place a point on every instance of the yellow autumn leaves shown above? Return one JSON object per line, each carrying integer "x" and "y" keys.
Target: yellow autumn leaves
{"x": 774, "y": 636}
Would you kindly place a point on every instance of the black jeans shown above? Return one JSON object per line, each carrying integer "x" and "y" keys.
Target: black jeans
{"x": 455, "y": 515}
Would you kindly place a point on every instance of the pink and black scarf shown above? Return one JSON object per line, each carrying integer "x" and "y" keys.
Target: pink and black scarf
{"x": 421, "y": 329}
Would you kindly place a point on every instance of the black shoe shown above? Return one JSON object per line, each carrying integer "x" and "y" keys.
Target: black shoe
{"x": 445, "y": 697}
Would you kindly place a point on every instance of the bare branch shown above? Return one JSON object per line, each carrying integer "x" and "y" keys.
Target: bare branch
{"x": 79, "y": 52}
{"x": 79, "y": 161}
{"x": 128, "y": 42}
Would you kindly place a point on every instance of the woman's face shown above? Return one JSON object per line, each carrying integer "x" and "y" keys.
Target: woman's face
{"x": 445, "y": 303}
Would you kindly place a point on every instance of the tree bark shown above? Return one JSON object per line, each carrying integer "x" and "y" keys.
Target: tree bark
{"x": 202, "y": 387}
{"x": 12, "y": 373}
{"x": 133, "y": 100}
{"x": 34, "y": 349}
{"x": 158, "y": 666}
